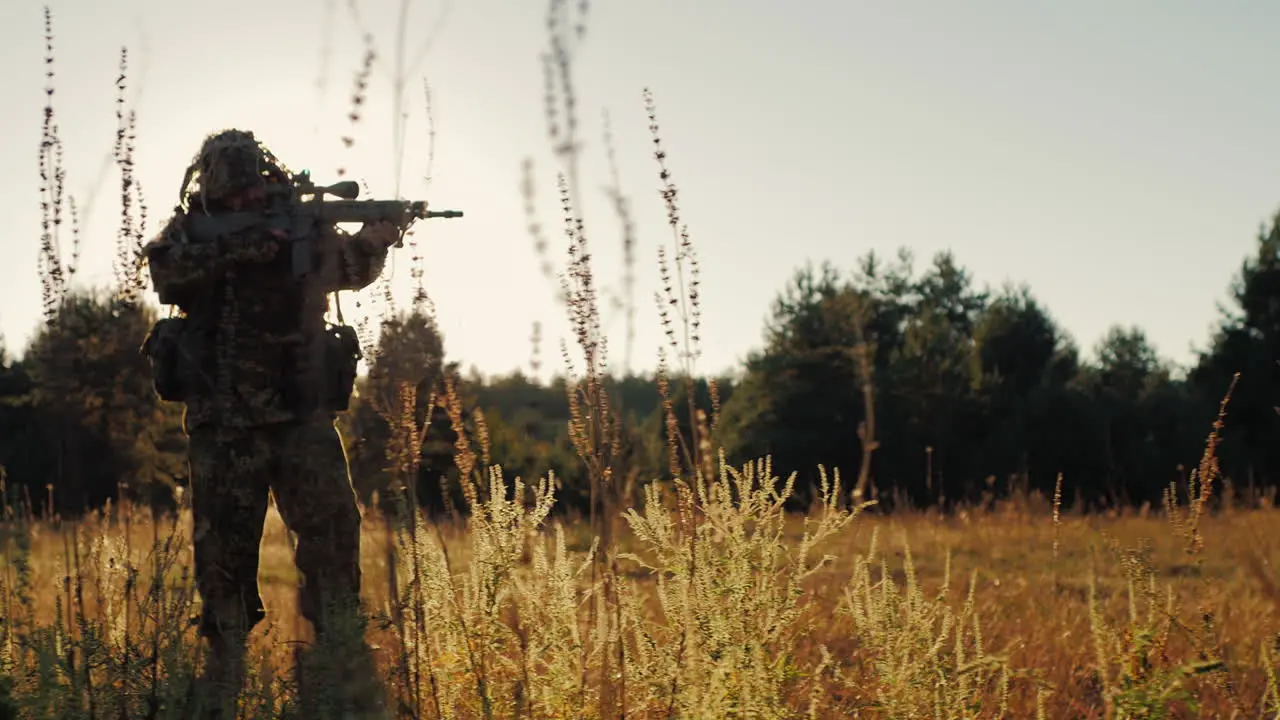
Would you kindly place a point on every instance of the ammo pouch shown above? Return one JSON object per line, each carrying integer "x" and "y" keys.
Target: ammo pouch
{"x": 322, "y": 373}
{"x": 163, "y": 349}
{"x": 342, "y": 356}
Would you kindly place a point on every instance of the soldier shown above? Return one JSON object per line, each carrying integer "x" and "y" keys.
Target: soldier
{"x": 262, "y": 376}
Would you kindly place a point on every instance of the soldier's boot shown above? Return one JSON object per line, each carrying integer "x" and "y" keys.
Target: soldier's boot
{"x": 225, "y": 624}
{"x": 221, "y": 680}
{"x": 337, "y": 673}
{"x": 339, "y": 667}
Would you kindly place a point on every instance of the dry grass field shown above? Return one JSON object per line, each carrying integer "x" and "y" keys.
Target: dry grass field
{"x": 722, "y": 605}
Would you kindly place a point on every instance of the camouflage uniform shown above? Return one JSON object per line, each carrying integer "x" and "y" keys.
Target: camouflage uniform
{"x": 254, "y": 361}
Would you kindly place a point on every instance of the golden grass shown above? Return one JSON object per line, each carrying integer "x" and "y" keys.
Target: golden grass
{"x": 728, "y": 637}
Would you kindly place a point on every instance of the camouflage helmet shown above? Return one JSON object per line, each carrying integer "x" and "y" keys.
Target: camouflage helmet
{"x": 230, "y": 161}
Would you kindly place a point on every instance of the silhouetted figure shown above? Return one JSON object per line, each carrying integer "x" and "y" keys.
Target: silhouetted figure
{"x": 262, "y": 375}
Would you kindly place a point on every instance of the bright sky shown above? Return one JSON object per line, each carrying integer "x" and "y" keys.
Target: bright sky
{"x": 1118, "y": 157}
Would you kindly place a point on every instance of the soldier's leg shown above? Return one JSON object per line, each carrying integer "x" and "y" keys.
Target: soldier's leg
{"x": 317, "y": 502}
{"x": 229, "y": 473}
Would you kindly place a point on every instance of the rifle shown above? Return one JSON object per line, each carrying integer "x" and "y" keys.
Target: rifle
{"x": 287, "y": 210}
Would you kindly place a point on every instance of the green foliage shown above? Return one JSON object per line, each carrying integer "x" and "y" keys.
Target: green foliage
{"x": 1248, "y": 341}
{"x": 409, "y": 350}
{"x": 806, "y": 377}
{"x": 85, "y": 419}
{"x": 974, "y": 393}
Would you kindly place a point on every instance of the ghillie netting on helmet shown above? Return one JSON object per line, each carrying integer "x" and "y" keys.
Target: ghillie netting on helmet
{"x": 229, "y": 161}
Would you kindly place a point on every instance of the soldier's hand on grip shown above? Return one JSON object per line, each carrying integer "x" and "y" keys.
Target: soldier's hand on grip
{"x": 375, "y": 238}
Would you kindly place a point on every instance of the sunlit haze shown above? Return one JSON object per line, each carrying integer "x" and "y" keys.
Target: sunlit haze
{"x": 1118, "y": 158}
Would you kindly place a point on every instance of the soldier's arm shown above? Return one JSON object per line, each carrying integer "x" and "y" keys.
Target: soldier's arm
{"x": 181, "y": 269}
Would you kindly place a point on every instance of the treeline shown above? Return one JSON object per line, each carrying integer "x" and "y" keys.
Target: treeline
{"x": 923, "y": 385}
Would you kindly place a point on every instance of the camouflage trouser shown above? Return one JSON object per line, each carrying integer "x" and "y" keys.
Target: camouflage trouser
{"x": 303, "y": 463}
